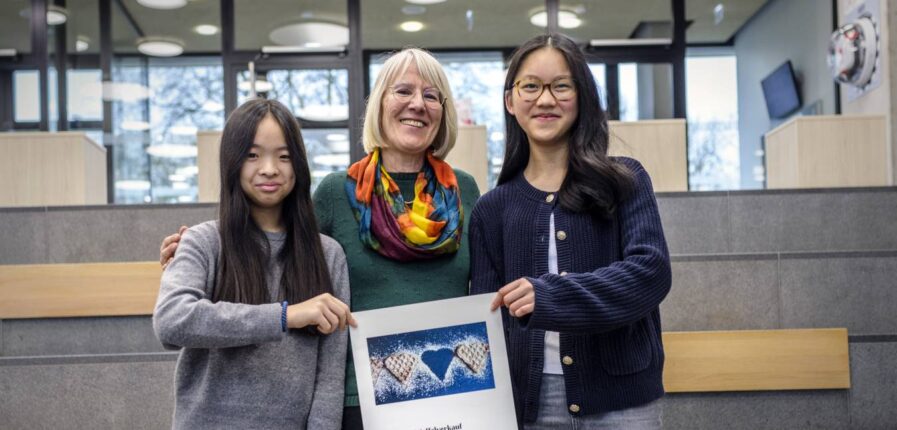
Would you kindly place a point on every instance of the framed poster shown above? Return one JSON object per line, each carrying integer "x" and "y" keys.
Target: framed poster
{"x": 438, "y": 365}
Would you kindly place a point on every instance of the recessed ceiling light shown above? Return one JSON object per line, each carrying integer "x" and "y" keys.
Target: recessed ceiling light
{"x": 56, "y": 15}
{"x": 163, "y": 4}
{"x": 425, "y": 1}
{"x": 206, "y": 29}
{"x": 566, "y": 19}
{"x": 411, "y": 26}
{"x": 160, "y": 46}
{"x": 413, "y": 10}
{"x": 325, "y": 34}
{"x": 82, "y": 43}
{"x": 719, "y": 12}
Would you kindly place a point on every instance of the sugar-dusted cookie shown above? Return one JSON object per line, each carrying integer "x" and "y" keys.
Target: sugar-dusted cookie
{"x": 401, "y": 365}
{"x": 474, "y": 354}
{"x": 376, "y": 368}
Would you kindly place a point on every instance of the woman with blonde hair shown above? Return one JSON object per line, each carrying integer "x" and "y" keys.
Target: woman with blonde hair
{"x": 401, "y": 212}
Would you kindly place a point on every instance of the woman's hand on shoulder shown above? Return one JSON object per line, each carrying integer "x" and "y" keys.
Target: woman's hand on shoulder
{"x": 324, "y": 311}
{"x": 518, "y": 296}
{"x": 169, "y": 245}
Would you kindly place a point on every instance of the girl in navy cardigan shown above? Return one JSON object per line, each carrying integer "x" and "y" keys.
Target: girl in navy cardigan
{"x": 572, "y": 244}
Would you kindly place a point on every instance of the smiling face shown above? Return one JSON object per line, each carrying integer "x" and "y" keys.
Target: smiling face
{"x": 545, "y": 120}
{"x": 409, "y": 126}
{"x": 267, "y": 173}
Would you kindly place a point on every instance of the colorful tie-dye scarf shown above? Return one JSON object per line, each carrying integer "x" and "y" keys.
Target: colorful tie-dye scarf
{"x": 431, "y": 227}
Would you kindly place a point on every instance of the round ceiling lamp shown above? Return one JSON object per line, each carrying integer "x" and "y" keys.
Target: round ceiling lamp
{"x": 324, "y": 113}
{"x": 82, "y": 43}
{"x": 56, "y": 15}
{"x": 853, "y": 50}
{"x": 206, "y": 29}
{"x": 160, "y": 46}
{"x": 311, "y": 34}
{"x": 163, "y": 4}
{"x": 425, "y": 1}
{"x": 566, "y": 19}
{"x": 411, "y": 26}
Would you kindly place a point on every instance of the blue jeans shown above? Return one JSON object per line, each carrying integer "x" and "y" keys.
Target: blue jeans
{"x": 553, "y": 413}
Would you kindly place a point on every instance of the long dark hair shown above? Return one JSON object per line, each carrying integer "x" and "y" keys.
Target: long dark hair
{"x": 594, "y": 183}
{"x": 244, "y": 252}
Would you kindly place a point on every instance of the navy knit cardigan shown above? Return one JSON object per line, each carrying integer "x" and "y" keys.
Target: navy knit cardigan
{"x": 613, "y": 276}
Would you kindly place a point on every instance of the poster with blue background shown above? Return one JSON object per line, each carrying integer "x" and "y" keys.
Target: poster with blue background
{"x": 430, "y": 363}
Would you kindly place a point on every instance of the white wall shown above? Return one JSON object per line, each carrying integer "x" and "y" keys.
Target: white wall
{"x": 796, "y": 30}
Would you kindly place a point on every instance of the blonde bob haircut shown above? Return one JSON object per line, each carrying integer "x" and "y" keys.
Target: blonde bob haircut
{"x": 431, "y": 72}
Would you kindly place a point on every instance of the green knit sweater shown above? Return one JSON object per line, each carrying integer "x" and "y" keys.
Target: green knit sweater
{"x": 377, "y": 282}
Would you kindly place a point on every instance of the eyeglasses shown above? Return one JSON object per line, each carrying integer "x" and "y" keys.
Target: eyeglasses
{"x": 530, "y": 89}
{"x": 433, "y": 99}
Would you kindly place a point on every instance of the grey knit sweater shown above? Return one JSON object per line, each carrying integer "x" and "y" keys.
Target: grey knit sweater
{"x": 237, "y": 368}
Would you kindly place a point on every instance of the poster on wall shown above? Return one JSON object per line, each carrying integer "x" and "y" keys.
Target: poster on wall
{"x": 866, "y": 11}
{"x": 433, "y": 365}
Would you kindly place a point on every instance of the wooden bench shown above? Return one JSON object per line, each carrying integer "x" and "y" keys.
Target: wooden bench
{"x": 699, "y": 361}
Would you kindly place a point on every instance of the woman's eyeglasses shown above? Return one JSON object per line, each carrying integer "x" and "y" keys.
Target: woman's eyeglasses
{"x": 531, "y": 88}
{"x": 432, "y": 97}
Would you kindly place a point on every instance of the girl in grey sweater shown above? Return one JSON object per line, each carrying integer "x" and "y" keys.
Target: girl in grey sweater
{"x": 251, "y": 300}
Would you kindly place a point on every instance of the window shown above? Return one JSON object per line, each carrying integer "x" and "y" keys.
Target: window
{"x": 712, "y": 104}
{"x": 27, "y": 95}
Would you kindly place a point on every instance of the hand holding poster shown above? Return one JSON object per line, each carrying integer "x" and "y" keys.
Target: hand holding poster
{"x": 435, "y": 365}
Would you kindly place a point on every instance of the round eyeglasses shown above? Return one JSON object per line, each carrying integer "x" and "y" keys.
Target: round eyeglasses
{"x": 433, "y": 99}
{"x": 531, "y": 88}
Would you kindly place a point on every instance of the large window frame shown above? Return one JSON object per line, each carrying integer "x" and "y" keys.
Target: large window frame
{"x": 353, "y": 58}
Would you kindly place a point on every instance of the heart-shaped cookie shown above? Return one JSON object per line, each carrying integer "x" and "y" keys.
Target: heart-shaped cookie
{"x": 438, "y": 361}
{"x": 401, "y": 365}
{"x": 474, "y": 354}
{"x": 376, "y": 369}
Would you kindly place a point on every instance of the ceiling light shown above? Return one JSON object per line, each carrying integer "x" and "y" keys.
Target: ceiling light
{"x": 206, "y": 29}
{"x": 325, "y": 34}
{"x": 324, "y": 112}
{"x": 163, "y": 4}
{"x": 160, "y": 46}
{"x": 425, "y": 1}
{"x": 411, "y": 26}
{"x": 56, "y": 15}
{"x": 413, "y": 10}
{"x": 719, "y": 12}
{"x": 566, "y": 19}
{"x": 171, "y": 150}
{"x": 82, "y": 43}
{"x": 135, "y": 125}
{"x": 8, "y": 52}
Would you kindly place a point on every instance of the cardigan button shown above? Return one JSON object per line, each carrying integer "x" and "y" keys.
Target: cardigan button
{"x": 549, "y": 198}
{"x": 561, "y": 235}
{"x": 567, "y": 360}
{"x": 574, "y": 408}
{"x": 563, "y": 273}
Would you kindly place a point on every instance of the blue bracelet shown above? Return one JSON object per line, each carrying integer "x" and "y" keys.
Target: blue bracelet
{"x": 283, "y": 316}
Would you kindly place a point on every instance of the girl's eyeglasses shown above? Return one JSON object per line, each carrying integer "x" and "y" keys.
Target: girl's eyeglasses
{"x": 531, "y": 88}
